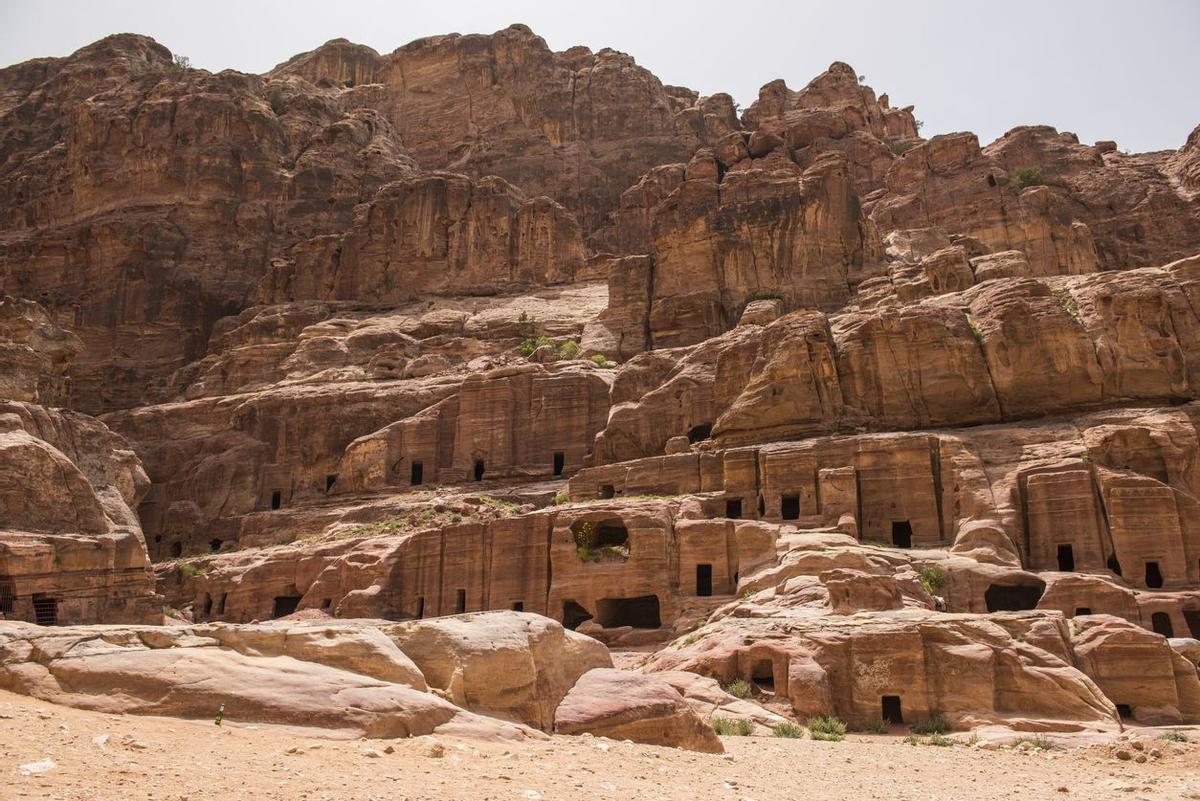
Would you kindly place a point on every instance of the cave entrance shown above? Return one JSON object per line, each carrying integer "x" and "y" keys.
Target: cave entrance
{"x": 1154, "y": 578}
{"x": 221, "y": 604}
{"x": 733, "y": 508}
{"x": 1124, "y": 711}
{"x": 640, "y": 612}
{"x": 704, "y": 580}
{"x": 763, "y": 676}
{"x": 460, "y": 602}
{"x": 1083, "y": 610}
{"x": 1013, "y": 598}
{"x": 1192, "y": 618}
{"x": 276, "y": 499}
{"x": 45, "y": 609}
{"x": 479, "y": 469}
{"x": 573, "y": 615}
{"x": 207, "y": 606}
{"x": 176, "y": 549}
{"x": 330, "y": 480}
{"x": 560, "y": 461}
{"x": 518, "y": 606}
{"x": 607, "y": 491}
{"x": 789, "y": 507}
{"x": 699, "y": 433}
{"x": 215, "y": 544}
{"x": 1114, "y": 564}
{"x": 285, "y": 605}
{"x": 1160, "y": 623}
{"x": 891, "y": 710}
{"x": 1066, "y": 558}
{"x": 416, "y": 473}
{"x": 902, "y": 533}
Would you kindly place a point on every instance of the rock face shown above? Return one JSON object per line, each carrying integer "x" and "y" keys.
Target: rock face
{"x": 513, "y": 355}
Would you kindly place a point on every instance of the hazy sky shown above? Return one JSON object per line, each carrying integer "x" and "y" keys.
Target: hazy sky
{"x": 1128, "y": 71}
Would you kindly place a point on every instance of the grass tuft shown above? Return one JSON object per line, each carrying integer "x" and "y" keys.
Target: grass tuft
{"x": 733, "y": 727}
{"x": 827, "y": 727}
{"x": 739, "y": 688}
{"x": 935, "y": 724}
{"x": 789, "y": 731}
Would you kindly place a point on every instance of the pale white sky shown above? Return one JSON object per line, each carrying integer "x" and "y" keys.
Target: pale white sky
{"x": 1128, "y": 71}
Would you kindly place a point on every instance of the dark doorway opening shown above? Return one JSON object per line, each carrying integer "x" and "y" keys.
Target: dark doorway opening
{"x": 1011, "y": 598}
{"x": 574, "y": 614}
{"x": 285, "y": 605}
{"x": 1160, "y": 623}
{"x": 326, "y": 603}
{"x": 214, "y": 544}
{"x": 330, "y": 480}
{"x": 518, "y": 606}
{"x": 460, "y": 602}
{"x": 763, "y": 676}
{"x": 420, "y": 607}
{"x": 789, "y": 507}
{"x": 1114, "y": 565}
{"x": 891, "y": 710}
{"x": 176, "y": 549}
{"x": 762, "y": 506}
{"x": 276, "y": 499}
{"x": 1124, "y": 711}
{"x": 479, "y": 469}
{"x": 607, "y": 491}
{"x": 8, "y": 596}
{"x": 207, "y": 607}
{"x": 1154, "y": 578}
{"x": 699, "y": 433}
{"x": 610, "y": 533}
{"x": 704, "y": 580}
{"x": 221, "y": 603}
{"x": 1192, "y": 618}
{"x": 901, "y": 533}
{"x": 1066, "y": 558}
{"x": 640, "y": 612}
{"x": 559, "y": 463}
{"x": 733, "y": 508}
{"x": 1083, "y": 610}
{"x": 416, "y": 473}
{"x": 45, "y": 610}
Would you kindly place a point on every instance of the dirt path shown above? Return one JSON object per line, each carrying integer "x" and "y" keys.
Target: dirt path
{"x": 172, "y": 760}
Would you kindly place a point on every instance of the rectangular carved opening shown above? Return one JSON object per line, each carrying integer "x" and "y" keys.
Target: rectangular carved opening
{"x": 704, "y": 580}
{"x": 330, "y": 480}
{"x": 460, "y": 602}
{"x": 1066, "y": 558}
{"x": 789, "y": 507}
{"x": 1154, "y": 578}
{"x": 1160, "y": 623}
{"x": 640, "y": 613}
{"x": 763, "y": 676}
{"x": 1192, "y": 618}
{"x": 518, "y": 606}
{"x": 45, "y": 610}
{"x": 285, "y": 605}
{"x": 480, "y": 467}
{"x": 416, "y": 473}
{"x": 733, "y": 508}
{"x": 420, "y": 607}
{"x": 891, "y": 710}
{"x": 902, "y": 533}
{"x": 276, "y": 499}
{"x": 559, "y": 463}
{"x": 8, "y": 596}
{"x": 607, "y": 491}
{"x": 1082, "y": 610}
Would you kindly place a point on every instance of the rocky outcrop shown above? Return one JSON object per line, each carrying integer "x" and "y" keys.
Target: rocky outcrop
{"x": 34, "y": 353}
{"x": 71, "y": 549}
{"x": 629, "y": 706}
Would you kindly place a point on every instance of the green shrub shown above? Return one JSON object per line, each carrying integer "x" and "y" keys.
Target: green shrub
{"x": 192, "y": 569}
{"x": 789, "y": 731}
{"x": 877, "y": 726}
{"x": 912, "y": 739}
{"x": 827, "y": 728}
{"x": 1025, "y": 177}
{"x": 740, "y": 688}
{"x": 733, "y": 727}
{"x": 940, "y": 740}
{"x": 602, "y": 361}
{"x": 976, "y": 331}
{"x": 569, "y": 349}
{"x": 933, "y": 579}
{"x": 899, "y": 146}
{"x": 526, "y": 326}
{"x": 1173, "y": 737}
{"x": 1068, "y": 303}
{"x": 1039, "y": 743}
{"x": 932, "y": 725}
{"x": 560, "y": 498}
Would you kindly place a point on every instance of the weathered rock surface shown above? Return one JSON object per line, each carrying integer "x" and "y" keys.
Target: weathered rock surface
{"x": 629, "y": 706}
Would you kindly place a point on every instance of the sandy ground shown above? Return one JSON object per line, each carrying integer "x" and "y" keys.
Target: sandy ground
{"x": 160, "y": 759}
